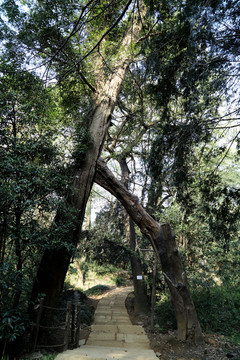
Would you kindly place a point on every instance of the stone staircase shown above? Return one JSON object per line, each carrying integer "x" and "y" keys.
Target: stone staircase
{"x": 112, "y": 334}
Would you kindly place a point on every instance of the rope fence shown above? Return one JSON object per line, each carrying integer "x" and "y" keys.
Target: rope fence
{"x": 70, "y": 326}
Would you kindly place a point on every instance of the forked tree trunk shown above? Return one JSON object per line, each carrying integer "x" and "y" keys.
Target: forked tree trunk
{"x": 55, "y": 261}
{"x": 165, "y": 247}
{"x": 141, "y": 304}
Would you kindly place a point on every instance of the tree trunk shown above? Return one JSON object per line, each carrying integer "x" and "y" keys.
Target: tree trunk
{"x": 141, "y": 304}
{"x": 140, "y": 290}
{"x": 54, "y": 264}
{"x": 79, "y": 273}
{"x": 164, "y": 245}
{"x": 55, "y": 261}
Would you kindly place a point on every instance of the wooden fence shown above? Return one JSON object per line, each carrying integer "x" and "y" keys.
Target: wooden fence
{"x": 70, "y": 327}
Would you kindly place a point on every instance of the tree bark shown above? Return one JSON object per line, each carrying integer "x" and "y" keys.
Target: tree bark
{"x": 165, "y": 247}
{"x": 55, "y": 261}
{"x": 140, "y": 290}
{"x": 141, "y": 304}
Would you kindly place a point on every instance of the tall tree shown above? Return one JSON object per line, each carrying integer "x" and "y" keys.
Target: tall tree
{"x": 55, "y": 262}
{"x": 164, "y": 245}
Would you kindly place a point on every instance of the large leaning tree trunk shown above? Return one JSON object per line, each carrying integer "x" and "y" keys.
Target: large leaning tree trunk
{"x": 141, "y": 304}
{"x": 164, "y": 245}
{"x": 55, "y": 261}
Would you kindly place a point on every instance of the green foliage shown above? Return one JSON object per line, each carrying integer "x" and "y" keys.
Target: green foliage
{"x": 104, "y": 269}
{"x": 188, "y": 96}
{"x": 12, "y": 325}
{"x": 206, "y": 223}
{"x": 165, "y": 314}
{"x": 97, "y": 290}
{"x": 33, "y": 178}
{"x": 13, "y": 317}
{"x": 176, "y": 84}
{"x": 30, "y": 168}
{"x": 49, "y": 357}
{"x": 61, "y": 35}
{"x": 82, "y": 142}
{"x": 108, "y": 245}
{"x": 120, "y": 281}
{"x": 217, "y": 308}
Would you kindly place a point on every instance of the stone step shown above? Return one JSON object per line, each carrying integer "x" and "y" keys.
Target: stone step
{"x": 108, "y": 319}
{"x": 101, "y": 336}
{"x": 118, "y": 343}
{"x": 115, "y": 336}
{"x": 112, "y": 322}
{"x": 113, "y": 302}
{"x": 111, "y": 308}
{"x": 112, "y": 312}
{"x": 122, "y": 329}
{"x": 111, "y": 315}
{"x": 108, "y": 307}
{"x": 107, "y": 353}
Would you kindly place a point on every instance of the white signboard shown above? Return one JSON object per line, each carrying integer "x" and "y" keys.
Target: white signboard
{"x": 139, "y": 277}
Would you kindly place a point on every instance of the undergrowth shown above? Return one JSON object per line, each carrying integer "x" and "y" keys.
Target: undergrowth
{"x": 218, "y": 310}
{"x": 97, "y": 290}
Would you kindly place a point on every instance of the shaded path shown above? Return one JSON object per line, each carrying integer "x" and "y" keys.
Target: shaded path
{"x": 113, "y": 336}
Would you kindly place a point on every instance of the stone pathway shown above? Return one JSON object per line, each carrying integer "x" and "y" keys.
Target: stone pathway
{"x": 112, "y": 334}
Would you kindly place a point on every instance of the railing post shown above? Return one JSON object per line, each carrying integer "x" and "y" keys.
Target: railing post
{"x": 37, "y": 326}
{"x": 77, "y": 333}
{"x": 67, "y": 325}
{"x": 73, "y": 326}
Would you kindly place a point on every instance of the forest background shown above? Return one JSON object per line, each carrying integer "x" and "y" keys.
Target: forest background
{"x": 161, "y": 78}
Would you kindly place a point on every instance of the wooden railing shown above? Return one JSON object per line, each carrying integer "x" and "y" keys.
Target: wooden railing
{"x": 70, "y": 327}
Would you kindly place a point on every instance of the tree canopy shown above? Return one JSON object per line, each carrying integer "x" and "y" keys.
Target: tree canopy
{"x": 153, "y": 83}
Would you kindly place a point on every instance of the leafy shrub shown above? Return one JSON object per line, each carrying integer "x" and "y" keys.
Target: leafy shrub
{"x": 102, "y": 270}
{"x": 120, "y": 281}
{"x": 218, "y": 310}
{"x": 12, "y": 325}
{"x": 13, "y": 318}
{"x": 97, "y": 290}
{"x": 165, "y": 314}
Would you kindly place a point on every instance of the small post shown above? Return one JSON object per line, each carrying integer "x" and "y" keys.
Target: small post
{"x": 67, "y": 325}
{"x": 77, "y": 333}
{"x": 37, "y": 326}
{"x": 153, "y": 296}
{"x": 73, "y": 326}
